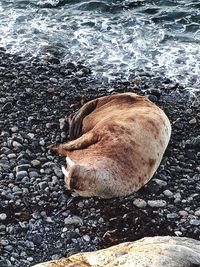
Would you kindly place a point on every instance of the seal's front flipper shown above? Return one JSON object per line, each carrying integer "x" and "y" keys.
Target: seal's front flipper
{"x": 75, "y": 129}
{"x": 82, "y": 142}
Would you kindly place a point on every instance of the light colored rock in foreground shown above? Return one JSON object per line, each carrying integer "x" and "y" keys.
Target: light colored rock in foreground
{"x": 149, "y": 251}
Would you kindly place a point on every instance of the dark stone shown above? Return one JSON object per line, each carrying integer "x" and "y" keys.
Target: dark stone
{"x": 7, "y": 107}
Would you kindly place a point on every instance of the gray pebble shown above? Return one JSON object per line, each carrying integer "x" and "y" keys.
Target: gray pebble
{"x": 21, "y": 174}
{"x": 43, "y": 185}
{"x": 9, "y": 248}
{"x": 73, "y": 220}
{"x": 36, "y": 163}
{"x": 23, "y": 167}
{"x": 172, "y": 215}
{"x": 197, "y": 213}
{"x": 12, "y": 156}
{"x": 86, "y": 238}
{"x": 168, "y": 193}
{"x": 157, "y": 203}
{"x": 31, "y": 135}
{"x": 33, "y": 174}
{"x": 58, "y": 172}
{"x": 140, "y": 203}
{"x": 195, "y": 222}
{"x": 8, "y": 106}
{"x": 6, "y": 263}
{"x": 161, "y": 183}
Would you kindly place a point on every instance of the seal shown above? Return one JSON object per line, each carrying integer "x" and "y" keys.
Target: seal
{"x": 118, "y": 142}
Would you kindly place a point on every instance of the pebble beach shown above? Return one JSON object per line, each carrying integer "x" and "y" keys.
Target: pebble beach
{"x": 39, "y": 219}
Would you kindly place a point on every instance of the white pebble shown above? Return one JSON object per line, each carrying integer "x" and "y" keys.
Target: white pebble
{"x": 157, "y": 203}
{"x": 140, "y": 203}
{"x": 3, "y": 216}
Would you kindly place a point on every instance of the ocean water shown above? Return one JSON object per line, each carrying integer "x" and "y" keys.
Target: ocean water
{"x": 115, "y": 38}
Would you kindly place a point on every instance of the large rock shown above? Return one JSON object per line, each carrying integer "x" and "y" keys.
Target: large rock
{"x": 160, "y": 251}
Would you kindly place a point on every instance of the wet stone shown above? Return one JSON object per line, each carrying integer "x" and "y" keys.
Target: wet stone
{"x": 195, "y": 222}
{"x": 36, "y": 163}
{"x": 21, "y": 174}
{"x": 58, "y": 172}
{"x": 168, "y": 193}
{"x": 140, "y": 203}
{"x": 23, "y": 167}
{"x": 7, "y": 107}
{"x": 172, "y": 216}
{"x": 33, "y": 174}
{"x": 43, "y": 185}
{"x": 157, "y": 203}
{"x": 73, "y": 220}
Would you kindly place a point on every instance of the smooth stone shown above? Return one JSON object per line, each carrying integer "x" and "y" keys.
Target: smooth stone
{"x": 86, "y": 238}
{"x": 195, "y": 222}
{"x": 33, "y": 174}
{"x": 73, "y": 220}
{"x": 23, "y": 167}
{"x": 36, "y": 163}
{"x": 168, "y": 193}
{"x": 6, "y": 263}
{"x": 21, "y": 174}
{"x": 140, "y": 203}
{"x": 12, "y": 156}
{"x": 172, "y": 216}
{"x": 43, "y": 185}
{"x": 58, "y": 172}
{"x": 3, "y": 216}
{"x": 157, "y": 203}
{"x": 193, "y": 121}
{"x": 197, "y": 213}
{"x": 161, "y": 183}
{"x": 158, "y": 251}
{"x": 8, "y": 106}
{"x": 17, "y": 144}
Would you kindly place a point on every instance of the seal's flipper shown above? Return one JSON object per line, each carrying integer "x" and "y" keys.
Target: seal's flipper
{"x": 75, "y": 129}
{"x": 82, "y": 142}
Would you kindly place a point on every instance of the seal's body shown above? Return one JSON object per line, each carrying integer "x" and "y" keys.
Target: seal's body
{"x": 120, "y": 141}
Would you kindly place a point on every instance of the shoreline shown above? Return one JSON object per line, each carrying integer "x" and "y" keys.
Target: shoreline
{"x": 41, "y": 220}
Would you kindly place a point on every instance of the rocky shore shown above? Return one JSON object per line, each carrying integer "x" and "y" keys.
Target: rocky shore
{"x": 39, "y": 219}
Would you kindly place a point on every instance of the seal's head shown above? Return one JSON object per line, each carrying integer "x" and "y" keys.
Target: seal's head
{"x": 79, "y": 178}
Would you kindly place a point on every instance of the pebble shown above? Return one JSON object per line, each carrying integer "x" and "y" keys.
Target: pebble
{"x": 195, "y": 222}
{"x": 43, "y": 185}
{"x": 33, "y": 174}
{"x": 183, "y": 213}
{"x": 161, "y": 183}
{"x": 168, "y": 193}
{"x": 17, "y": 144}
{"x": 58, "y": 172}
{"x": 36, "y": 163}
{"x": 73, "y": 220}
{"x": 21, "y": 174}
{"x": 14, "y": 129}
{"x": 49, "y": 220}
{"x": 86, "y": 238}
{"x": 3, "y": 216}
{"x": 197, "y": 213}
{"x": 140, "y": 203}
{"x": 172, "y": 216}
{"x": 7, "y": 107}
{"x": 156, "y": 203}
{"x": 193, "y": 121}
{"x": 23, "y": 167}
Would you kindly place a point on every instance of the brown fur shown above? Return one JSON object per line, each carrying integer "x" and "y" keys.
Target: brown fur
{"x": 119, "y": 143}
